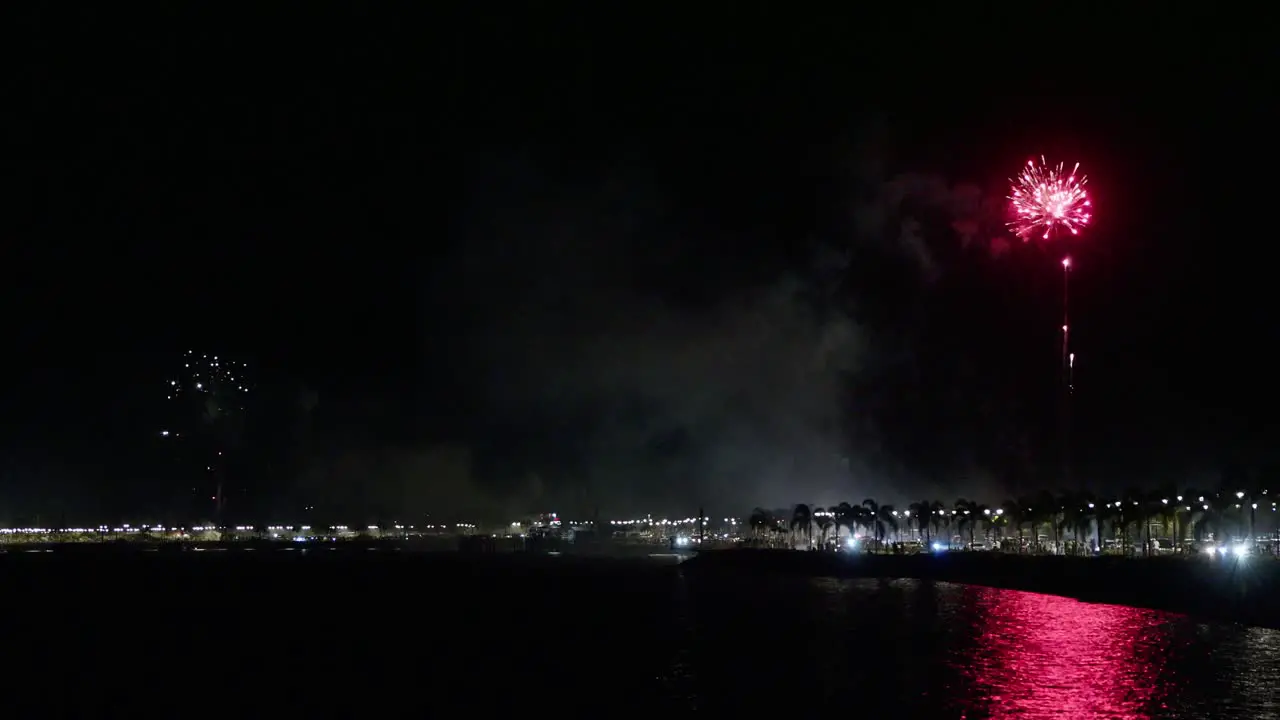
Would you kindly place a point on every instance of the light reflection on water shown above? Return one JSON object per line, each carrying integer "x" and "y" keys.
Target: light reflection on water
{"x": 1044, "y": 655}
{"x": 919, "y": 649}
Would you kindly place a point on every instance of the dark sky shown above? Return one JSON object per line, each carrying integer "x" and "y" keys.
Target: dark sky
{"x": 639, "y": 262}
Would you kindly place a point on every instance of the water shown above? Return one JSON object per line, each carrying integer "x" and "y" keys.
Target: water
{"x": 356, "y": 635}
{"x": 918, "y": 649}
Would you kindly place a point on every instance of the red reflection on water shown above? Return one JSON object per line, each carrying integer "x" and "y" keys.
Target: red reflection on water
{"x": 1046, "y": 656}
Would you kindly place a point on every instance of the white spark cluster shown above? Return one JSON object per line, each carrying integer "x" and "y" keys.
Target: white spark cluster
{"x": 221, "y": 378}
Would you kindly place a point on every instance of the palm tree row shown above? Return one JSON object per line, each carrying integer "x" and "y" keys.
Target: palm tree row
{"x": 1068, "y": 522}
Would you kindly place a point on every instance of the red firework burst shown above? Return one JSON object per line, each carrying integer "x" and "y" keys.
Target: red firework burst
{"x": 1046, "y": 198}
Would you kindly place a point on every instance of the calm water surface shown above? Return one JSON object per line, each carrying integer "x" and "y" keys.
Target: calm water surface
{"x": 361, "y": 637}
{"x": 915, "y": 649}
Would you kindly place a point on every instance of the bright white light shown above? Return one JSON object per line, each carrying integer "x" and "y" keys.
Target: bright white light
{"x": 1209, "y": 550}
{"x": 1240, "y": 550}
{"x": 937, "y": 547}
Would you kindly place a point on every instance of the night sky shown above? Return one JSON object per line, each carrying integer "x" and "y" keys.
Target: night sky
{"x": 488, "y": 265}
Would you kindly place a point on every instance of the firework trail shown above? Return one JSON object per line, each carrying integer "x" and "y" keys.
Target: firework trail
{"x": 1047, "y": 200}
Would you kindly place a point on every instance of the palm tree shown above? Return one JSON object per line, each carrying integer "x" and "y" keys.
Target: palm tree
{"x": 1230, "y": 504}
{"x": 1203, "y": 515}
{"x": 1152, "y": 509}
{"x": 866, "y": 521}
{"x": 1091, "y": 521}
{"x": 1075, "y": 518}
{"x": 1168, "y": 513}
{"x": 1047, "y": 510}
{"x": 1229, "y": 513}
{"x": 881, "y": 519}
{"x": 825, "y": 520}
{"x": 1136, "y": 510}
{"x": 780, "y": 533}
{"x": 967, "y": 514}
{"x": 1235, "y": 481}
{"x": 1015, "y": 514}
{"x": 926, "y": 515}
{"x": 886, "y": 522}
{"x": 1185, "y": 510}
{"x": 989, "y": 520}
{"x": 802, "y": 522}
{"x": 872, "y": 509}
{"x": 1098, "y": 513}
{"x": 1249, "y": 503}
{"x": 941, "y": 520}
{"x": 1119, "y": 520}
{"x": 759, "y": 521}
{"x": 845, "y": 517}
{"x": 1173, "y": 506}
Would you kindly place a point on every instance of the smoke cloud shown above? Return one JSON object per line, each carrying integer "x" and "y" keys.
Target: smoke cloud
{"x": 613, "y": 388}
{"x": 590, "y": 348}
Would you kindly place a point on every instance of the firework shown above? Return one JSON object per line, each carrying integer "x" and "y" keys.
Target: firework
{"x": 218, "y": 382}
{"x": 212, "y": 391}
{"x": 1046, "y": 199}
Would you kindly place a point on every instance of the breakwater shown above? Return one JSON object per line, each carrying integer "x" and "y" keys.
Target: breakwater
{"x": 1230, "y": 589}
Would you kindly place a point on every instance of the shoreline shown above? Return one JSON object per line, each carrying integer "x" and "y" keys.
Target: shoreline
{"x": 1243, "y": 591}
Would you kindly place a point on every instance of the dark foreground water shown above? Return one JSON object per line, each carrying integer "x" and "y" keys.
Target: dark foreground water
{"x": 353, "y": 635}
